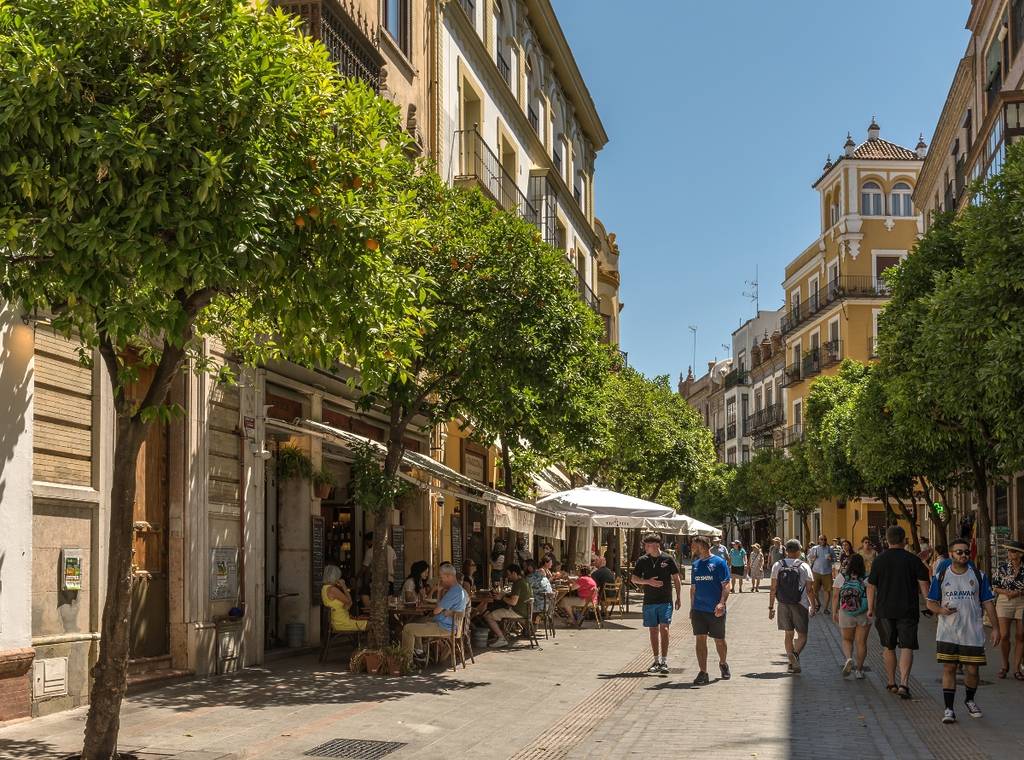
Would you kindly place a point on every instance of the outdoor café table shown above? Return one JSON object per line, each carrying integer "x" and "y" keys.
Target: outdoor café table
{"x": 406, "y": 613}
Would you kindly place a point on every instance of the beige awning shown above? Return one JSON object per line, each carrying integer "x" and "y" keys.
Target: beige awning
{"x": 503, "y": 511}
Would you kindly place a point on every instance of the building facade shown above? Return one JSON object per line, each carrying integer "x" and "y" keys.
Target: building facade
{"x": 835, "y": 289}
{"x": 742, "y": 397}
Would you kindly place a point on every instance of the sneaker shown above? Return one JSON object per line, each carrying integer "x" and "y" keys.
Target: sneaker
{"x": 948, "y": 716}
{"x": 972, "y": 709}
{"x": 499, "y": 642}
{"x": 858, "y": 675}
{"x": 702, "y": 679}
{"x": 655, "y": 667}
{"x": 796, "y": 662}
{"x": 726, "y": 674}
{"x": 663, "y": 669}
{"x": 847, "y": 666}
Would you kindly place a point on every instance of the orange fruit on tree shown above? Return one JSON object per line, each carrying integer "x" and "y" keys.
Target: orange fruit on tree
{"x": 372, "y": 244}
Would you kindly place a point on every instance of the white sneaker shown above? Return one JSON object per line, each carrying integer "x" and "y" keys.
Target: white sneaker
{"x": 972, "y": 709}
{"x": 858, "y": 675}
{"x": 847, "y": 666}
{"x": 498, "y": 643}
{"x": 949, "y": 716}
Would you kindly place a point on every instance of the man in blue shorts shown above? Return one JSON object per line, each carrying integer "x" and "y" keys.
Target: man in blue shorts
{"x": 709, "y": 590}
{"x": 655, "y": 571}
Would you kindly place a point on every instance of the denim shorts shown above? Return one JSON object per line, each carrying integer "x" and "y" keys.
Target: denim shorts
{"x": 657, "y": 614}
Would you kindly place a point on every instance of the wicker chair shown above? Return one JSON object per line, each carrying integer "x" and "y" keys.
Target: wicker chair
{"x": 455, "y": 641}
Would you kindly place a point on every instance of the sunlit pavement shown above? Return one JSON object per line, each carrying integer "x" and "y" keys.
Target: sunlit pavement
{"x": 582, "y": 696}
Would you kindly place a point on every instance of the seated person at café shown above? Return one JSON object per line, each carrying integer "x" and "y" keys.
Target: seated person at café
{"x": 602, "y": 574}
{"x": 453, "y": 599}
{"x": 468, "y": 576}
{"x": 547, "y": 550}
{"x": 586, "y": 592}
{"x": 334, "y": 595}
{"x": 544, "y": 566}
{"x": 511, "y": 606}
{"x": 416, "y": 589}
{"x": 539, "y": 584}
{"x": 557, "y": 573}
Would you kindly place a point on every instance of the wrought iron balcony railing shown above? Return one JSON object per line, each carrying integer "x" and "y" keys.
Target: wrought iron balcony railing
{"x": 792, "y": 434}
{"x": 811, "y": 362}
{"x": 587, "y": 294}
{"x": 765, "y": 419}
{"x": 720, "y": 437}
{"x": 532, "y": 117}
{"x": 730, "y": 431}
{"x": 831, "y": 353}
{"x": 348, "y": 47}
{"x": 846, "y": 286}
{"x": 737, "y": 377}
{"x": 504, "y": 70}
{"x": 542, "y": 198}
{"x": 791, "y": 375}
{"x": 478, "y": 162}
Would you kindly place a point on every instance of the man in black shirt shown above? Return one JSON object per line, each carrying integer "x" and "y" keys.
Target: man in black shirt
{"x": 601, "y": 574}
{"x": 896, "y": 580}
{"x": 655, "y": 571}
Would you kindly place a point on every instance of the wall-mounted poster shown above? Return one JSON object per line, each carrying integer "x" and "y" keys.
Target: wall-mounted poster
{"x": 223, "y": 573}
{"x": 71, "y": 569}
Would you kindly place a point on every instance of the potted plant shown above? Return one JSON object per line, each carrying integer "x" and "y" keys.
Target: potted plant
{"x": 396, "y": 660}
{"x": 323, "y": 484}
{"x": 293, "y": 462}
{"x": 372, "y": 660}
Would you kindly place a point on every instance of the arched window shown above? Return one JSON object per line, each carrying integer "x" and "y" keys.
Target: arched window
{"x": 871, "y": 199}
{"x": 901, "y": 203}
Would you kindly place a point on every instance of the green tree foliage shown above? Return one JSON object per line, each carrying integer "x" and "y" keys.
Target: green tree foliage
{"x": 712, "y": 497}
{"x": 828, "y": 422}
{"x": 170, "y": 170}
{"x": 795, "y": 485}
{"x": 651, "y": 440}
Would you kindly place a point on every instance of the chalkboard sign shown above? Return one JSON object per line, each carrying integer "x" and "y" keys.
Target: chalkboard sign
{"x": 316, "y": 556}
{"x": 398, "y": 544}
{"x": 457, "y": 541}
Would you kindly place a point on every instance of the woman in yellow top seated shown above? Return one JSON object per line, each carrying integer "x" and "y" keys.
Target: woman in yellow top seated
{"x": 335, "y": 595}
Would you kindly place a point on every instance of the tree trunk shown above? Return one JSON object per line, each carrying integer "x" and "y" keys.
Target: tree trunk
{"x": 506, "y": 469}
{"x": 110, "y": 674}
{"x": 983, "y": 526}
{"x": 911, "y": 518}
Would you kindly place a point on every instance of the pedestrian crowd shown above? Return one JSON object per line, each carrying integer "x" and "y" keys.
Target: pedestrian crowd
{"x": 859, "y": 589}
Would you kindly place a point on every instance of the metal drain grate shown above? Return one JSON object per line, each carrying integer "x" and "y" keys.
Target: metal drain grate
{"x": 354, "y": 749}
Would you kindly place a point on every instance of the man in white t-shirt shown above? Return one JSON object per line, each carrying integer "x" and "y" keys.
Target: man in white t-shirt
{"x": 791, "y": 581}
{"x": 368, "y": 560}
{"x": 822, "y": 559}
{"x": 959, "y": 595}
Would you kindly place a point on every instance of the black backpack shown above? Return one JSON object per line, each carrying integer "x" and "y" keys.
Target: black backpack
{"x": 789, "y": 583}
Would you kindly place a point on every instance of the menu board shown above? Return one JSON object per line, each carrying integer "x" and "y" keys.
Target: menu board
{"x": 457, "y": 541}
{"x": 316, "y": 556}
{"x": 398, "y": 544}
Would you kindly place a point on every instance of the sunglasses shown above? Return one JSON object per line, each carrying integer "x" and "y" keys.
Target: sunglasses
{"x": 964, "y": 552}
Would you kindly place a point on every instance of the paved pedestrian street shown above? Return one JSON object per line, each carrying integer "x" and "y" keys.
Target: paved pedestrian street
{"x": 584, "y": 695}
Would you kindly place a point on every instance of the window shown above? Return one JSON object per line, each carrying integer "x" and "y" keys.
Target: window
{"x": 746, "y": 454}
{"x": 758, "y": 398}
{"x": 745, "y": 411}
{"x": 768, "y": 393}
{"x": 396, "y": 21}
{"x": 882, "y": 263}
{"x": 901, "y": 203}
{"x": 1002, "y": 506}
{"x": 871, "y": 199}
{"x": 730, "y": 418}
{"x": 797, "y": 413}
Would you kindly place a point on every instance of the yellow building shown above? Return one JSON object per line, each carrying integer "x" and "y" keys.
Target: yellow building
{"x": 834, "y": 290}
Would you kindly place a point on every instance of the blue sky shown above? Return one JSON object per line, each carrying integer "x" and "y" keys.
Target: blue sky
{"x": 720, "y": 116}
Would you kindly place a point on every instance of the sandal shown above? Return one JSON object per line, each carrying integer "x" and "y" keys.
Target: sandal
{"x": 904, "y": 692}
{"x": 892, "y": 688}
{"x": 1002, "y": 673}
{"x": 1019, "y": 676}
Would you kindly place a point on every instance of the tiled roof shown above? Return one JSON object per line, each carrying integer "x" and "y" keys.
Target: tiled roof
{"x": 883, "y": 149}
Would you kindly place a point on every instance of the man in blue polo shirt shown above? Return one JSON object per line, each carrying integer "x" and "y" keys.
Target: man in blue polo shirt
{"x": 709, "y": 590}
{"x": 453, "y": 599}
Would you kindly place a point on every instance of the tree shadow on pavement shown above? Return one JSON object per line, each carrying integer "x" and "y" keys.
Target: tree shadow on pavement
{"x": 298, "y": 682}
{"x": 26, "y": 748}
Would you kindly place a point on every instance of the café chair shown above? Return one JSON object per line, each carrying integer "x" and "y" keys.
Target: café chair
{"x": 610, "y": 598}
{"x": 517, "y": 628}
{"x": 328, "y": 635}
{"x": 455, "y": 641}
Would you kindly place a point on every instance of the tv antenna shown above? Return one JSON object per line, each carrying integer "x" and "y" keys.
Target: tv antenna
{"x": 693, "y": 358}
{"x": 752, "y": 293}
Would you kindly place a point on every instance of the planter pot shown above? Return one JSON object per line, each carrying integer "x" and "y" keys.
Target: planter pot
{"x": 372, "y": 660}
{"x": 394, "y": 665}
{"x": 324, "y": 491}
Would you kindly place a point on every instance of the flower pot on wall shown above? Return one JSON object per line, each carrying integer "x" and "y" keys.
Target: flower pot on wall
{"x": 323, "y": 491}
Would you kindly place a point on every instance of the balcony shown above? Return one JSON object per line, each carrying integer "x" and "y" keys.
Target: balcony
{"x": 994, "y": 86}
{"x": 847, "y": 286}
{"x": 737, "y": 377}
{"x": 811, "y": 362}
{"x": 534, "y": 120}
{"x": 587, "y": 294}
{"x": 873, "y": 347}
{"x": 765, "y": 419}
{"x": 504, "y": 70}
{"x": 730, "y": 431}
{"x": 831, "y": 353}
{"x": 792, "y": 434}
{"x": 556, "y": 159}
{"x": 719, "y": 437}
{"x": 542, "y": 198}
{"x": 348, "y": 48}
{"x": 479, "y": 164}
{"x": 791, "y": 375}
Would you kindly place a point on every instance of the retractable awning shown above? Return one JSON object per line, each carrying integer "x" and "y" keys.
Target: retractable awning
{"x": 593, "y": 505}
{"x": 503, "y": 511}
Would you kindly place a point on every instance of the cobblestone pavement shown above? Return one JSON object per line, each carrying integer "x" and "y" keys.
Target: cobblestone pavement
{"x": 583, "y": 696}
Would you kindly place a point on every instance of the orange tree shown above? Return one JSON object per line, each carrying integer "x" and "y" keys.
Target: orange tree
{"x": 172, "y": 170}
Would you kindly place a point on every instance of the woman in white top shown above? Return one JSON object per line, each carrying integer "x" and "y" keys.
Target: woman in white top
{"x": 416, "y": 589}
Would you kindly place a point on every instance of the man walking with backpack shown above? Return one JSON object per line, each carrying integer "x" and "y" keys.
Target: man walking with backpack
{"x": 959, "y": 595}
{"x": 791, "y": 580}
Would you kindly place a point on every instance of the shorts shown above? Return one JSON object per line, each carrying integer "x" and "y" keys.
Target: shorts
{"x": 707, "y": 624}
{"x": 657, "y": 614}
{"x": 792, "y": 617}
{"x": 506, "y": 613}
{"x": 822, "y": 581}
{"x": 1010, "y": 609}
{"x": 738, "y": 572}
{"x": 947, "y": 653}
{"x": 897, "y": 632}
{"x": 846, "y": 620}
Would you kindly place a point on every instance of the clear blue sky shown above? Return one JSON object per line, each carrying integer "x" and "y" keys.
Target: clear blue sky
{"x": 720, "y": 115}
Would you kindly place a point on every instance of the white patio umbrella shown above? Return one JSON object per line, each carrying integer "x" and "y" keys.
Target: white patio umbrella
{"x": 698, "y": 528}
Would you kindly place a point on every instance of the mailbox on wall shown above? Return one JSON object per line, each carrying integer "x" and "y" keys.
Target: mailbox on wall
{"x": 71, "y": 570}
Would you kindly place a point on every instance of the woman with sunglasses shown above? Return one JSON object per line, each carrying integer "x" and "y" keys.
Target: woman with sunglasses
{"x": 1008, "y": 585}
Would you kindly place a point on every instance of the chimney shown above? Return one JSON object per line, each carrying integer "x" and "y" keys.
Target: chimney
{"x": 849, "y": 146}
{"x": 873, "y": 129}
{"x": 922, "y": 147}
